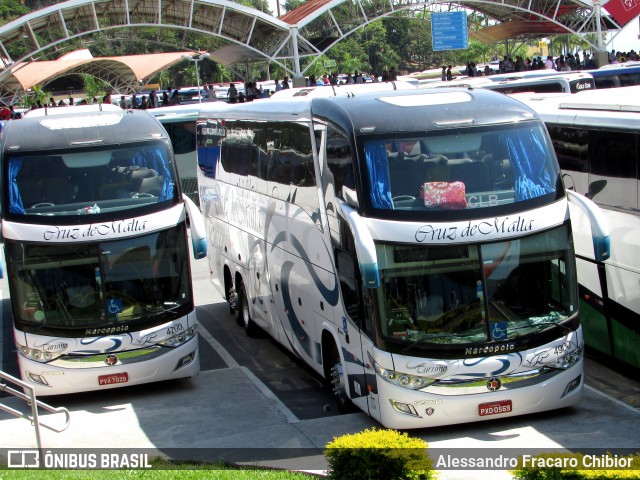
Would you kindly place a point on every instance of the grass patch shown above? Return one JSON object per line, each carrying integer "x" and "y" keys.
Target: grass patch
{"x": 162, "y": 470}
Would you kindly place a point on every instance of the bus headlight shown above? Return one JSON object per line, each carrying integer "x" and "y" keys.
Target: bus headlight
{"x": 37, "y": 355}
{"x": 405, "y": 380}
{"x": 180, "y": 339}
{"x": 568, "y": 360}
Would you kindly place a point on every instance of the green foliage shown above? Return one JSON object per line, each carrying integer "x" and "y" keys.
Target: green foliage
{"x": 36, "y": 96}
{"x": 572, "y": 466}
{"x": 10, "y": 10}
{"x": 374, "y": 454}
{"x": 94, "y": 88}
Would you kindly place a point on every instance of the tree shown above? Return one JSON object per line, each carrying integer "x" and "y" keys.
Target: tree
{"x": 94, "y": 87}
{"x": 292, "y": 4}
{"x": 10, "y": 10}
{"x": 36, "y": 97}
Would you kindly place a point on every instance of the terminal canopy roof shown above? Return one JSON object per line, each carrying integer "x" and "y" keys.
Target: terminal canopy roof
{"x": 511, "y": 18}
{"x": 251, "y": 35}
{"x": 124, "y": 73}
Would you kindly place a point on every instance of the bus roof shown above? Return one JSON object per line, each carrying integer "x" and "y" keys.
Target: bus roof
{"x": 612, "y": 107}
{"x": 176, "y": 113}
{"x": 395, "y": 111}
{"x": 42, "y": 133}
{"x": 458, "y": 82}
{"x": 94, "y": 107}
{"x": 342, "y": 90}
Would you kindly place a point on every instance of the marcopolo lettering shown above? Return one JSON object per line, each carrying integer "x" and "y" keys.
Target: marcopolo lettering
{"x": 488, "y": 349}
{"x": 106, "y": 330}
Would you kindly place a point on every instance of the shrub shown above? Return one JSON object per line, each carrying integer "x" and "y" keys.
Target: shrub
{"x": 375, "y": 454}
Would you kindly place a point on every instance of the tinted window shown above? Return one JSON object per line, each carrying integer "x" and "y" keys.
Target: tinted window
{"x": 571, "y": 146}
{"x": 290, "y": 155}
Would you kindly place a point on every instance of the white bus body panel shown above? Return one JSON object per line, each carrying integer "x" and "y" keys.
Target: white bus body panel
{"x": 65, "y": 376}
{"x": 459, "y": 404}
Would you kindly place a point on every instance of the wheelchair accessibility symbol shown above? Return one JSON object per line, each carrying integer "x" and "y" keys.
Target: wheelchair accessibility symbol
{"x": 499, "y": 330}
{"x": 114, "y": 306}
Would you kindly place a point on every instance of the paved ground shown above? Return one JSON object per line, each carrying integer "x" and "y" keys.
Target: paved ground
{"x": 229, "y": 413}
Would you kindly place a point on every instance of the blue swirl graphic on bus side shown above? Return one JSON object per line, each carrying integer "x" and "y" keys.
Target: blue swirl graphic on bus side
{"x": 506, "y": 364}
{"x": 257, "y": 244}
{"x": 351, "y": 358}
{"x": 330, "y": 295}
{"x": 117, "y": 343}
{"x": 296, "y": 326}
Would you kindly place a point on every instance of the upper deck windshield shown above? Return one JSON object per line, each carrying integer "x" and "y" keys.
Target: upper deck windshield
{"x": 94, "y": 181}
{"x": 460, "y": 169}
{"x": 474, "y": 294}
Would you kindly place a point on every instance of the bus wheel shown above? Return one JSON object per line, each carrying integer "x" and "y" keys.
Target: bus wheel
{"x": 338, "y": 384}
{"x": 245, "y": 317}
{"x": 233, "y": 302}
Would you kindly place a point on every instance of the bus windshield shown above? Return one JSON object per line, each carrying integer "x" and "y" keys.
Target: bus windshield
{"x": 469, "y": 294}
{"x": 90, "y": 181}
{"x": 110, "y": 284}
{"x": 460, "y": 169}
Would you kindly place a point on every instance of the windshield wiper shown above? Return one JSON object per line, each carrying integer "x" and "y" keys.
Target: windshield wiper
{"x": 431, "y": 336}
{"x": 566, "y": 330}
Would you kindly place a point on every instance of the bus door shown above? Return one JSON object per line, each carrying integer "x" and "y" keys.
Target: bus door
{"x": 352, "y": 313}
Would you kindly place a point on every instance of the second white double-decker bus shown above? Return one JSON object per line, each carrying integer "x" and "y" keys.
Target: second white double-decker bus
{"x": 95, "y": 233}
{"x": 414, "y": 248}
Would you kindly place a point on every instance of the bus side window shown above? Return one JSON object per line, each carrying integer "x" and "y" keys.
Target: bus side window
{"x": 613, "y": 161}
{"x": 340, "y": 161}
{"x": 348, "y": 271}
{"x": 354, "y": 297}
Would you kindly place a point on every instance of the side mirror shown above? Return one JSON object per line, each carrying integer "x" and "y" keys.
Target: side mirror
{"x": 569, "y": 184}
{"x": 595, "y": 188}
{"x": 198, "y": 230}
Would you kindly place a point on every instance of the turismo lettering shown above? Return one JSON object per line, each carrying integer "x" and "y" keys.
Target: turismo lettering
{"x": 499, "y": 226}
{"x": 425, "y": 368}
{"x": 119, "y": 227}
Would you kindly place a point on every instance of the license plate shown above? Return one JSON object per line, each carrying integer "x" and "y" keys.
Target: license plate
{"x": 113, "y": 378}
{"x": 494, "y": 408}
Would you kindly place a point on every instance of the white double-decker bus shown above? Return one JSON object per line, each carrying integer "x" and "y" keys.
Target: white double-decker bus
{"x": 414, "y": 248}
{"x": 95, "y": 238}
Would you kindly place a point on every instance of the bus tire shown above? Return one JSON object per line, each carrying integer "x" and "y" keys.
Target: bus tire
{"x": 338, "y": 385}
{"x": 244, "y": 314}
{"x": 232, "y": 298}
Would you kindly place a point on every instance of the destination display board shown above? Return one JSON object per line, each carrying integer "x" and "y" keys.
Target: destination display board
{"x": 449, "y": 31}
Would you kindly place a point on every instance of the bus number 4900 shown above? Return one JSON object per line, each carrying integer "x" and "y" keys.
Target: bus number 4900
{"x": 494, "y": 408}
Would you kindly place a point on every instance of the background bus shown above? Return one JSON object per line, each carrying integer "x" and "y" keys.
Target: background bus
{"x": 420, "y": 258}
{"x": 616, "y": 76}
{"x": 95, "y": 235}
{"x": 180, "y": 123}
{"x": 558, "y": 82}
{"x": 596, "y": 136}
{"x": 562, "y": 82}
